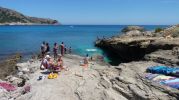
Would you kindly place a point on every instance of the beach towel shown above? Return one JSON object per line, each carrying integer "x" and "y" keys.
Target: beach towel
{"x": 7, "y": 86}
{"x": 157, "y": 77}
{"x": 160, "y": 78}
{"x": 165, "y": 70}
{"x": 174, "y": 83}
{"x": 163, "y": 80}
{"x": 150, "y": 76}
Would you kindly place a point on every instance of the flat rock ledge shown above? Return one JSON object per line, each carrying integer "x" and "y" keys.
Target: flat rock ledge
{"x": 97, "y": 82}
{"x": 134, "y": 45}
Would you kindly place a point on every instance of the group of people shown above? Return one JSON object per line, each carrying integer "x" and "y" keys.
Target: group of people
{"x": 57, "y": 63}
{"x": 52, "y": 64}
{"x": 45, "y": 49}
{"x": 58, "y": 51}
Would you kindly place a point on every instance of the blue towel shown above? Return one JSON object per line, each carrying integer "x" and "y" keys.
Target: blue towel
{"x": 165, "y": 70}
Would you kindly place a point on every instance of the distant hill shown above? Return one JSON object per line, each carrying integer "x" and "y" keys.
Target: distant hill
{"x": 8, "y": 16}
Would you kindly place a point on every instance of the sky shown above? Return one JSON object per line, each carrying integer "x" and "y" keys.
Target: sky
{"x": 100, "y": 12}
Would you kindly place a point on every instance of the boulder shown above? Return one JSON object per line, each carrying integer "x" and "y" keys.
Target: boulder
{"x": 167, "y": 57}
{"x": 175, "y": 51}
{"x": 16, "y": 81}
{"x": 132, "y": 28}
{"x": 148, "y": 33}
{"x": 133, "y": 33}
{"x": 23, "y": 67}
{"x": 135, "y": 48}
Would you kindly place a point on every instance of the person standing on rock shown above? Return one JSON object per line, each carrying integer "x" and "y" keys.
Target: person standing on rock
{"x": 55, "y": 50}
{"x": 42, "y": 48}
{"x": 47, "y": 51}
{"x": 62, "y": 47}
{"x": 65, "y": 50}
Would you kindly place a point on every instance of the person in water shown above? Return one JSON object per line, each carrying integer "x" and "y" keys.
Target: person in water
{"x": 55, "y": 50}
{"x": 42, "y": 48}
{"x": 62, "y": 47}
{"x": 47, "y": 51}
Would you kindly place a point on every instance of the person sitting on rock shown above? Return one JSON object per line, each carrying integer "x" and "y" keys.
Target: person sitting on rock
{"x": 60, "y": 63}
{"x": 85, "y": 61}
{"x": 45, "y": 62}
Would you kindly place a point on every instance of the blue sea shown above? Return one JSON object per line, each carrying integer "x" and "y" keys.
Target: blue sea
{"x": 27, "y": 39}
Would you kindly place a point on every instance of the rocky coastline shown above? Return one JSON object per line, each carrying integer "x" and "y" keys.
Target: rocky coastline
{"x": 135, "y": 45}
{"x": 99, "y": 81}
{"x": 12, "y": 17}
{"x": 138, "y": 49}
{"x": 24, "y": 24}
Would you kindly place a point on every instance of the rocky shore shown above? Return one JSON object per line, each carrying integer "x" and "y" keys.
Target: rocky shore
{"x": 97, "y": 82}
{"x": 134, "y": 44}
{"x": 136, "y": 48}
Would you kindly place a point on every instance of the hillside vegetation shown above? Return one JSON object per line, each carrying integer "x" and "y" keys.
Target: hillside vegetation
{"x": 10, "y": 16}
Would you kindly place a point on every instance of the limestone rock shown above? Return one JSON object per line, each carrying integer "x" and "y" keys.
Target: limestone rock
{"x": 166, "y": 57}
{"x": 16, "y": 81}
{"x": 132, "y": 28}
{"x": 134, "y": 33}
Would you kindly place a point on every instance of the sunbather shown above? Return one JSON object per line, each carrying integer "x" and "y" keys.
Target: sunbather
{"x": 45, "y": 62}
{"x": 60, "y": 63}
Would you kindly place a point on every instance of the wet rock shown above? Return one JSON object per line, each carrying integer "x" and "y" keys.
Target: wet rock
{"x": 8, "y": 66}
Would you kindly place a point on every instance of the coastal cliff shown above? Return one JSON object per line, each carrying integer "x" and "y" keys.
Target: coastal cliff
{"x": 134, "y": 44}
{"x": 11, "y": 17}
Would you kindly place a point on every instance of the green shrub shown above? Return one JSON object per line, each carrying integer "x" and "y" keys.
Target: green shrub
{"x": 157, "y": 30}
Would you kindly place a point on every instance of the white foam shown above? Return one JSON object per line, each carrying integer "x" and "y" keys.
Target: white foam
{"x": 92, "y": 50}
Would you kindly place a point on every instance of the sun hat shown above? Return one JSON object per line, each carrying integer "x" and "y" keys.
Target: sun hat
{"x": 47, "y": 56}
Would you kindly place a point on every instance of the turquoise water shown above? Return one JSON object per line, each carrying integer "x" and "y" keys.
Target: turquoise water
{"x": 27, "y": 39}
